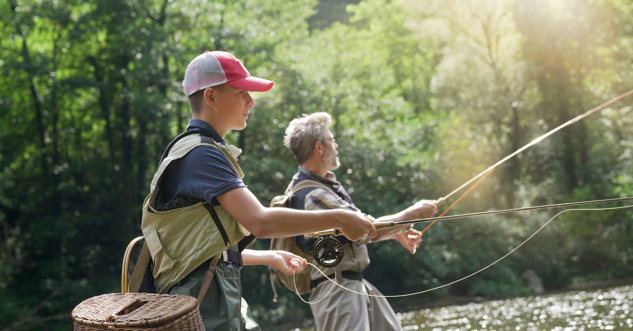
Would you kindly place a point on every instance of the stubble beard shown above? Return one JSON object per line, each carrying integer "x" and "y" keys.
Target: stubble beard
{"x": 330, "y": 159}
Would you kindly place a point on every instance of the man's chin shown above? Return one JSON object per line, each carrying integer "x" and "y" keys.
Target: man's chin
{"x": 240, "y": 127}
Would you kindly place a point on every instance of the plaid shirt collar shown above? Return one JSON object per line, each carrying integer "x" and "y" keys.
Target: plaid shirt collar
{"x": 330, "y": 177}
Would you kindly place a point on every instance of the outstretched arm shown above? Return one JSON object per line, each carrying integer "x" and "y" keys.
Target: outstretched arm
{"x": 265, "y": 222}
{"x": 286, "y": 262}
{"x": 409, "y": 238}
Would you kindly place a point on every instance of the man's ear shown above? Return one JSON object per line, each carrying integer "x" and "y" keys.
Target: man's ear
{"x": 209, "y": 96}
{"x": 318, "y": 148}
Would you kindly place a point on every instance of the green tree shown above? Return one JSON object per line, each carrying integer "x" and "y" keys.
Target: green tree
{"x": 424, "y": 96}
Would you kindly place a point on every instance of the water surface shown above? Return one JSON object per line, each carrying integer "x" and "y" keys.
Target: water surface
{"x": 601, "y": 309}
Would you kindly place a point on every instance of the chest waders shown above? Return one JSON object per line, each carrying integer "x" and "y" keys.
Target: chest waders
{"x": 182, "y": 239}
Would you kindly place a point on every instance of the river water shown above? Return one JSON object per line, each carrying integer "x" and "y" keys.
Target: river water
{"x": 600, "y": 309}
{"x": 597, "y": 309}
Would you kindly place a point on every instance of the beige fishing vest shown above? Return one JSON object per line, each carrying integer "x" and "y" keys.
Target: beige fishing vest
{"x": 181, "y": 239}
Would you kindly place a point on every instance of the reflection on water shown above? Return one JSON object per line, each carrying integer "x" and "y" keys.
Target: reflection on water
{"x": 603, "y": 309}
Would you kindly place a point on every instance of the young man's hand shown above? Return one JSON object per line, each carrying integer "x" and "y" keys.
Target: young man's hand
{"x": 283, "y": 261}
{"x": 288, "y": 263}
{"x": 356, "y": 225}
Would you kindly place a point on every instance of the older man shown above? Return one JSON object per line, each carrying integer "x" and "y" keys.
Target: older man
{"x": 314, "y": 148}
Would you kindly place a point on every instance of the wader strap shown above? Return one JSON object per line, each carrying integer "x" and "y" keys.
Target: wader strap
{"x": 208, "y": 277}
{"x": 139, "y": 270}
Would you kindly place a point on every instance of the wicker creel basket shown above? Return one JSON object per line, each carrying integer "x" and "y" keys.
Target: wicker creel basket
{"x": 138, "y": 311}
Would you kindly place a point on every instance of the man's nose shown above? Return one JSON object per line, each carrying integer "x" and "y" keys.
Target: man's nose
{"x": 250, "y": 100}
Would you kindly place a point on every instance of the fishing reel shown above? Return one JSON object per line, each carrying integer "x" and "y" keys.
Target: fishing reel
{"x": 327, "y": 251}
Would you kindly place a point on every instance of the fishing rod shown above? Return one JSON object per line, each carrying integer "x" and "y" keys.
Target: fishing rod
{"x": 328, "y": 251}
{"x": 486, "y": 172}
{"x": 331, "y": 248}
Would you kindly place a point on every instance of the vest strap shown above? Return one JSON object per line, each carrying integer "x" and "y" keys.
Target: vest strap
{"x": 175, "y": 140}
{"x": 218, "y": 223}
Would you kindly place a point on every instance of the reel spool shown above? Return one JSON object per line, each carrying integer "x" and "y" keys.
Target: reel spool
{"x": 328, "y": 251}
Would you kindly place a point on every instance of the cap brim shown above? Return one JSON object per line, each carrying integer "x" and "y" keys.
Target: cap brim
{"x": 252, "y": 84}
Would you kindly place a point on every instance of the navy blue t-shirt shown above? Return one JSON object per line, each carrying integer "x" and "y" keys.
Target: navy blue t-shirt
{"x": 204, "y": 173}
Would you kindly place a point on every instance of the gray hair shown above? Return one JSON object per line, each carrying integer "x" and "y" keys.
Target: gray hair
{"x": 303, "y": 132}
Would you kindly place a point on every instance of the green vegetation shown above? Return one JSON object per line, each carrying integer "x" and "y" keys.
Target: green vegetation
{"x": 425, "y": 95}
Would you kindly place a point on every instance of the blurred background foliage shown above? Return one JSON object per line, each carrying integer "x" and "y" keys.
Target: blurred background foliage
{"x": 424, "y": 95}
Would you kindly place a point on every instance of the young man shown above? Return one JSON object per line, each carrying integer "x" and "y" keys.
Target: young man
{"x": 334, "y": 308}
{"x": 199, "y": 207}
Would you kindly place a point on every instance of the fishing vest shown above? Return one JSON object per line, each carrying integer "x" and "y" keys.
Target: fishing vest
{"x": 181, "y": 239}
{"x": 355, "y": 253}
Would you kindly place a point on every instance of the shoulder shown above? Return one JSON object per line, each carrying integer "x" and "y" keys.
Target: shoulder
{"x": 208, "y": 161}
{"x": 321, "y": 198}
{"x": 303, "y": 185}
{"x": 206, "y": 152}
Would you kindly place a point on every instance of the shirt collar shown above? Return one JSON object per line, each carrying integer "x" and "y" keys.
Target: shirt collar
{"x": 206, "y": 128}
{"x": 329, "y": 178}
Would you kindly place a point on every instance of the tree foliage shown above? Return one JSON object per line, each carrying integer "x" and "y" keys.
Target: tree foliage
{"x": 424, "y": 95}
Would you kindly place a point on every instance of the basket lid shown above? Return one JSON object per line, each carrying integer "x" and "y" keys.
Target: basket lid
{"x": 133, "y": 309}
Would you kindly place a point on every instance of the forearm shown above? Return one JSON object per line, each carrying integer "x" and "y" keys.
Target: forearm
{"x": 266, "y": 222}
{"x": 389, "y": 232}
{"x": 285, "y": 222}
{"x": 401, "y": 216}
{"x": 254, "y": 257}
{"x": 419, "y": 210}
{"x": 283, "y": 261}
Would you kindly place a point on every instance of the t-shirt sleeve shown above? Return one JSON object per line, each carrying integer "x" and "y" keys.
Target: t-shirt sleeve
{"x": 205, "y": 173}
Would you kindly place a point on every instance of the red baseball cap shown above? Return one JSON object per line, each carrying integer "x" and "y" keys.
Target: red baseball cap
{"x": 214, "y": 68}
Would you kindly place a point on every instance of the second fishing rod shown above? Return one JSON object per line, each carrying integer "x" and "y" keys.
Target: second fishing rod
{"x": 328, "y": 251}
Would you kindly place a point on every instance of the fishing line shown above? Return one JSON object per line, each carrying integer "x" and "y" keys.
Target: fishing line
{"x": 294, "y": 280}
{"x": 478, "y": 179}
{"x": 334, "y": 283}
{"x": 485, "y": 173}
